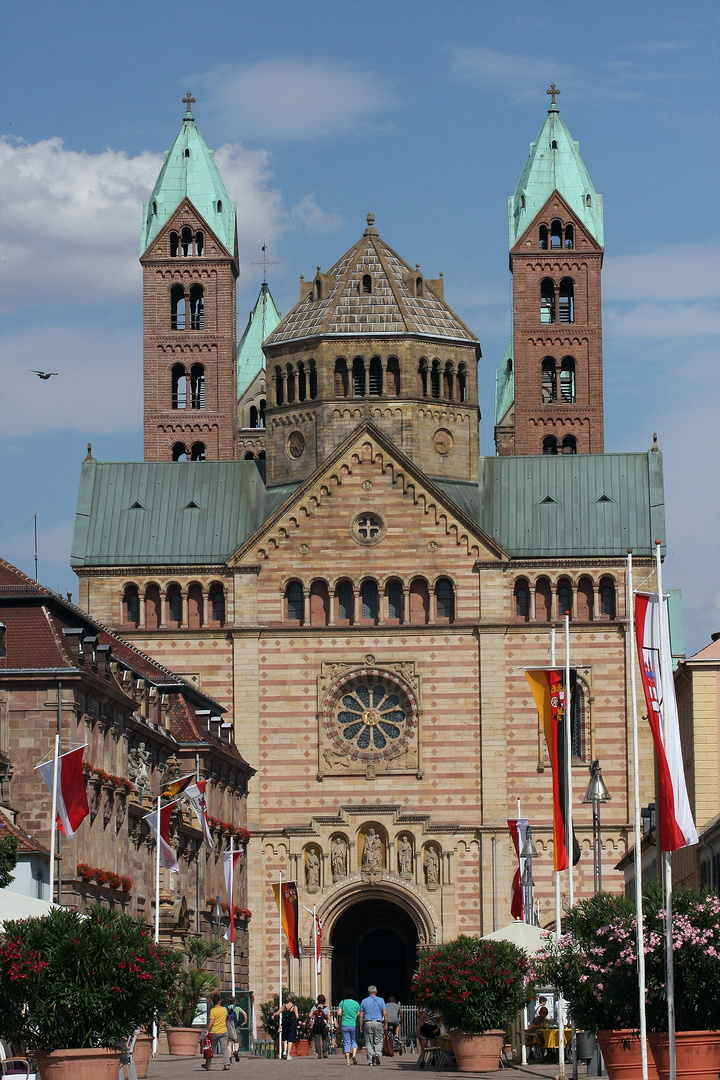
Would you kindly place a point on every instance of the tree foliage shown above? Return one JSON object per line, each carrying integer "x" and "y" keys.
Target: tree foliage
{"x": 8, "y": 859}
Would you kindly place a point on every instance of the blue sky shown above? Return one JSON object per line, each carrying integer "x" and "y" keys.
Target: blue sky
{"x": 421, "y": 112}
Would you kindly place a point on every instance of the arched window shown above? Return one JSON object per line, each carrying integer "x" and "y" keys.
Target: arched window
{"x": 418, "y": 286}
{"x": 543, "y": 238}
{"x": 585, "y": 597}
{"x": 462, "y": 383}
{"x": 448, "y": 380}
{"x": 435, "y": 379}
{"x": 197, "y": 307}
{"x": 312, "y": 379}
{"x": 186, "y": 240}
{"x": 549, "y": 387}
{"x": 173, "y": 601}
{"x": 174, "y": 245}
{"x": 195, "y": 606}
{"x": 419, "y": 601}
{"x": 392, "y": 381}
{"x": 197, "y": 451}
{"x": 556, "y": 234}
{"x": 369, "y": 601}
{"x": 358, "y": 375}
{"x": 179, "y": 451}
{"x": 178, "y": 308}
{"x": 445, "y": 599}
{"x": 219, "y": 206}
{"x": 588, "y": 200}
{"x": 569, "y": 237}
{"x": 294, "y": 602}
{"x": 394, "y": 593}
{"x": 197, "y": 386}
{"x": 549, "y": 445}
{"x": 278, "y": 380}
{"x": 290, "y": 383}
{"x": 423, "y": 377}
{"x": 216, "y": 595}
{"x": 261, "y": 455}
{"x": 344, "y": 598}
{"x": 261, "y": 419}
{"x": 301, "y": 381}
{"x": 607, "y": 598}
{"x": 543, "y": 600}
{"x": 319, "y": 603}
{"x": 152, "y": 607}
{"x": 179, "y": 386}
{"x": 567, "y": 379}
{"x": 564, "y": 597}
{"x": 566, "y": 301}
{"x": 131, "y": 606}
{"x": 367, "y": 284}
{"x": 376, "y": 376}
{"x": 577, "y": 722}
{"x": 248, "y": 456}
{"x": 547, "y": 300}
{"x": 340, "y": 377}
{"x": 253, "y": 416}
{"x": 521, "y": 599}
{"x": 199, "y": 243}
{"x": 318, "y": 289}
{"x": 569, "y": 445}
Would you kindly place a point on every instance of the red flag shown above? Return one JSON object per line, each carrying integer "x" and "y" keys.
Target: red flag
{"x": 518, "y": 832}
{"x": 288, "y": 913}
{"x": 195, "y": 794}
{"x": 677, "y": 828}
{"x": 549, "y": 692}
{"x": 230, "y": 859}
{"x": 166, "y": 852}
{"x": 72, "y": 803}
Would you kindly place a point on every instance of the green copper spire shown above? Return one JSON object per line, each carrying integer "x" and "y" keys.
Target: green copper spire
{"x": 263, "y": 319}
{"x": 554, "y": 163}
{"x": 189, "y": 170}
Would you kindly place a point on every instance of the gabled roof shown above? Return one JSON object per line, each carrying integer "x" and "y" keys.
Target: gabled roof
{"x": 26, "y": 844}
{"x": 390, "y": 308}
{"x": 189, "y": 171}
{"x": 262, "y": 320}
{"x": 554, "y": 164}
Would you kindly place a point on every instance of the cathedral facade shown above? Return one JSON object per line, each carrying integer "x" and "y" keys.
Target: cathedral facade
{"x": 314, "y": 540}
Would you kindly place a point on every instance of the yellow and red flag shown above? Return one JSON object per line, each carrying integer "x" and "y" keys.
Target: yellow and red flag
{"x": 286, "y": 898}
{"x": 548, "y": 689}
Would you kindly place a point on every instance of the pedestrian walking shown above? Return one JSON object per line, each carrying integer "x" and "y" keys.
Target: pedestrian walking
{"x": 217, "y": 1030}
{"x": 320, "y": 1026}
{"x": 394, "y": 1019}
{"x": 373, "y": 1024}
{"x": 234, "y": 1012}
{"x": 347, "y": 1022}
{"x": 289, "y": 1017}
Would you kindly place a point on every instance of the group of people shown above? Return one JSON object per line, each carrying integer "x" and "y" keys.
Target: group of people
{"x": 372, "y": 1017}
{"x": 222, "y": 1028}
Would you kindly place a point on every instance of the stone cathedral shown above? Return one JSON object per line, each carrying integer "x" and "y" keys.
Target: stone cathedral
{"x": 314, "y": 540}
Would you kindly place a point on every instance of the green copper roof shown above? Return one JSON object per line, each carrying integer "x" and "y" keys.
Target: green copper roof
{"x": 504, "y": 383}
{"x": 554, "y": 163}
{"x": 262, "y": 320}
{"x": 189, "y": 170}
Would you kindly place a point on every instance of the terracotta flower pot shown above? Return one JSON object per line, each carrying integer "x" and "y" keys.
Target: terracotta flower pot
{"x": 622, "y": 1055}
{"x": 301, "y": 1048}
{"x": 477, "y": 1051}
{"x": 96, "y": 1064}
{"x": 183, "y": 1041}
{"x": 697, "y": 1054}
{"x": 141, "y": 1056}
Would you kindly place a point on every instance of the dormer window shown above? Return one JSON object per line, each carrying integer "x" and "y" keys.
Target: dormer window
{"x": 154, "y": 207}
{"x": 318, "y": 289}
{"x": 418, "y": 286}
{"x": 553, "y": 145}
{"x": 588, "y": 200}
{"x": 187, "y": 152}
{"x": 522, "y": 202}
{"x": 219, "y": 206}
{"x": 367, "y": 284}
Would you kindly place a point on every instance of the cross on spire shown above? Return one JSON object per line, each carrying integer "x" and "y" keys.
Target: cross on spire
{"x": 188, "y": 100}
{"x": 265, "y": 261}
{"x": 553, "y": 91}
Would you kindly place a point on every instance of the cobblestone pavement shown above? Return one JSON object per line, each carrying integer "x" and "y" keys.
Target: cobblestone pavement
{"x": 311, "y": 1068}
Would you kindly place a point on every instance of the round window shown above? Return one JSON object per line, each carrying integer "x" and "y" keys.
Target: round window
{"x": 367, "y": 528}
{"x": 370, "y": 715}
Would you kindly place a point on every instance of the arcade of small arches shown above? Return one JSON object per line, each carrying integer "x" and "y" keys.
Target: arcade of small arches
{"x": 374, "y": 378}
{"x": 186, "y": 243}
{"x": 558, "y": 236}
{"x": 544, "y": 600}
{"x": 368, "y": 603}
{"x": 196, "y": 453}
{"x": 169, "y": 607}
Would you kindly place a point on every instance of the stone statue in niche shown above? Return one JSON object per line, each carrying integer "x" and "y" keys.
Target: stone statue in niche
{"x": 139, "y": 760}
{"x": 372, "y": 858}
{"x": 405, "y": 857}
{"x": 338, "y": 858}
{"x": 432, "y": 869}
{"x": 312, "y": 871}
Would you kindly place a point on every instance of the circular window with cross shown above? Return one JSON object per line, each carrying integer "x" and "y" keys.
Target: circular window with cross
{"x": 367, "y": 528}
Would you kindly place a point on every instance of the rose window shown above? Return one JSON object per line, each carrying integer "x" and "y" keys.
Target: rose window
{"x": 371, "y": 716}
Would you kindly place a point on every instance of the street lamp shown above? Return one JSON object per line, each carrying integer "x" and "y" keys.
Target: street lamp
{"x": 528, "y": 853}
{"x": 596, "y": 793}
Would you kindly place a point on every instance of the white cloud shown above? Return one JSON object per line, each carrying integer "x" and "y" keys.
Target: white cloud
{"x": 309, "y": 217}
{"x": 672, "y": 273}
{"x": 295, "y": 99}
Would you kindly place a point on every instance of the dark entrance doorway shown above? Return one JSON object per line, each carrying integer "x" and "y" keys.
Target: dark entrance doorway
{"x": 374, "y": 941}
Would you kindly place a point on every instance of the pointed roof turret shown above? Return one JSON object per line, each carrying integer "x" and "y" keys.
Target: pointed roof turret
{"x": 263, "y": 319}
{"x": 189, "y": 171}
{"x": 554, "y": 164}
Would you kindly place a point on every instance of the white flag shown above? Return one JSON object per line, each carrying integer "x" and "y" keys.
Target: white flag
{"x": 196, "y": 798}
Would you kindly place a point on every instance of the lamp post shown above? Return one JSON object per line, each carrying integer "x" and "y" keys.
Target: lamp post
{"x": 217, "y": 916}
{"x": 528, "y": 853}
{"x": 596, "y": 794}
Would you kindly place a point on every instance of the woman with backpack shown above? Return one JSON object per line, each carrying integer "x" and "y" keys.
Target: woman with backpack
{"x": 320, "y": 1026}
{"x": 234, "y": 1012}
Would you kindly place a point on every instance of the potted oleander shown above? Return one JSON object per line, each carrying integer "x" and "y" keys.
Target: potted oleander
{"x": 193, "y": 983}
{"x": 73, "y": 986}
{"x": 478, "y": 986}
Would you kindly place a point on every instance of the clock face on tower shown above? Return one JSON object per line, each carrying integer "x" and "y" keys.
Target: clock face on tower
{"x": 443, "y": 442}
{"x": 295, "y": 444}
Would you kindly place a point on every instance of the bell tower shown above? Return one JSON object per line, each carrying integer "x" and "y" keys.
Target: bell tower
{"x": 188, "y": 252}
{"x": 549, "y": 392}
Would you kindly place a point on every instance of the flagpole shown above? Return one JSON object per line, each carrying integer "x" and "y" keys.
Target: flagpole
{"x": 568, "y": 770}
{"x": 232, "y": 918}
{"x": 558, "y": 917}
{"x": 280, "y": 952}
{"x": 157, "y": 874}
{"x": 53, "y": 811}
{"x": 666, "y": 855}
{"x": 637, "y": 826}
{"x": 315, "y": 950}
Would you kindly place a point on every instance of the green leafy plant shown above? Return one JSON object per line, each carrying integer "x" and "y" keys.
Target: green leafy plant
{"x": 476, "y": 984}
{"x": 271, "y": 1023}
{"x": 194, "y": 982}
{"x": 69, "y": 981}
{"x": 8, "y": 860}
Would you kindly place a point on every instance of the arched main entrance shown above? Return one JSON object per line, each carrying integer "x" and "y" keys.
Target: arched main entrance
{"x": 374, "y": 941}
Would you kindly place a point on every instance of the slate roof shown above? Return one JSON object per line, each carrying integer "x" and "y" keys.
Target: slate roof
{"x": 391, "y": 307}
{"x": 547, "y": 170}
{"x": 262, "y": 320}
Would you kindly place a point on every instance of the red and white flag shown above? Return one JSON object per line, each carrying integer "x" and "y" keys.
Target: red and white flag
{"x": 230, "y": 859}
{"x": 72, "y": 803}
{"x": 318, "y": 943}
{"x": 166, "y": 852}
{"x": 677, "y": 828}
{"x": 518, "y": 832}
{"x": 196, "y": 797}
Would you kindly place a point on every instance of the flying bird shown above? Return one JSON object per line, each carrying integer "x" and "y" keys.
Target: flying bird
{"x": 43, "y": 374}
